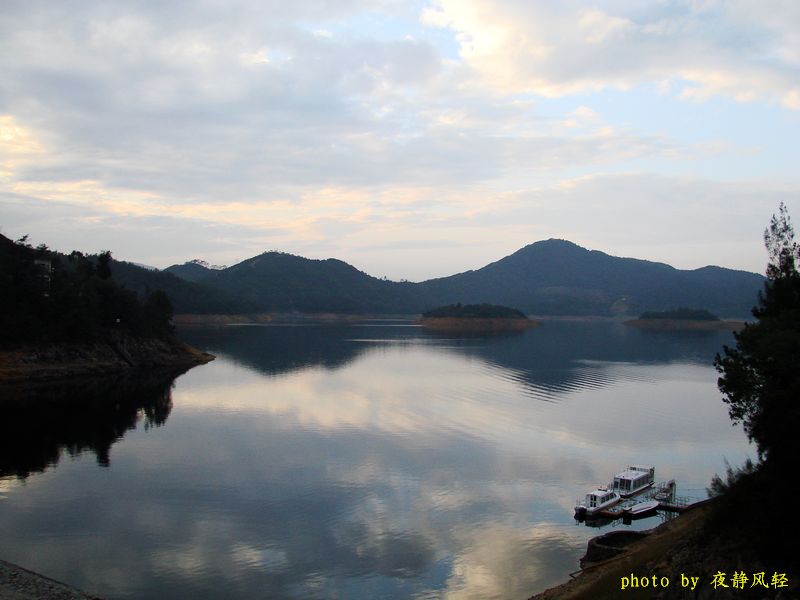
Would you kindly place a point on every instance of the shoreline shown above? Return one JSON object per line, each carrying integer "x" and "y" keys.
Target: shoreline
{"x": 684, "y": 325}
{"x": 475, "y": 325}
{"x": 115, "y": 354}
{"x": 646, "y": 557}
{"x": 677, "y": 559}
{"x": 18, "y": 583}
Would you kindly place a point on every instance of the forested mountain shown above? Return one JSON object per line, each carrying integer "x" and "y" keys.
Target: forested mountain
{"x": 187, "y": 296}
{"x": 275, "y": 281}
{"x": 559, "y": 277}
{"x": 194, "y": 270}
{"x": 46, "y": 296}
{"x": 552, "y": 277}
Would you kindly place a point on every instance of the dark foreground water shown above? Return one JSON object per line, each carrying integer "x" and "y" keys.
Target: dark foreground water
{"x": 361, "y": 461}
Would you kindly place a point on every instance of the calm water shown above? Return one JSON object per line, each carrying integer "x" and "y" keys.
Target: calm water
{"x": 361, "y": 461}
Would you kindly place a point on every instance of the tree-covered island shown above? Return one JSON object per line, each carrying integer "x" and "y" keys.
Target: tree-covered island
{"x": 682, "y": 314}
{"x": 62, "y": 315}
{"x": 475, "y": 318}
{"x": 682, "y": 319}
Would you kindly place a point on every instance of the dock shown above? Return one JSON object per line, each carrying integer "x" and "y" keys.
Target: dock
{"x": 664, "y": 492}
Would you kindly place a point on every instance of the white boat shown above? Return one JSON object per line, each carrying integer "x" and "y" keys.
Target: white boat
{"x": 633, "y": 480}
{"x": 597, "y": 500}
{"x": 641, "y": 507}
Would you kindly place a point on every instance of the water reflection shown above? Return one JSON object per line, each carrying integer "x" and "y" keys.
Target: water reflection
{"x": 276, "y": 349}
{"x": 373, "y": 461}
{"x": 39, "y": 422}
{"x": 548, "y": 360}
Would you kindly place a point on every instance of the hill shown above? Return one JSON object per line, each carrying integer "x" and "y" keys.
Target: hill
{"x": 557, "y": 277}
{"x": 473, "y": 311}
{"x": 188, "y": 296}
{"x": 279, "y": 282}
{"x": 551, "y": 277}
{"x": 193, "y": 270}
{"x": 66, "y": 315}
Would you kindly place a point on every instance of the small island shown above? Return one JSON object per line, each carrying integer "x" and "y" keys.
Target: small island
{"x": 680, "y": 319}
{"x": 476, "y": 318}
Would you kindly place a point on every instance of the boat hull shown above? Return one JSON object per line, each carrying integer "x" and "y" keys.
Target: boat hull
{"x": 642, "y": 508}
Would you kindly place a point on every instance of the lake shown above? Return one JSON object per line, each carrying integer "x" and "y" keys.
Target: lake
{"x": 368, "y": 460}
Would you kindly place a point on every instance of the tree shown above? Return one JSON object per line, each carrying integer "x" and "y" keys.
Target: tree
{"x": 760, "y": 377}
{"x": 104, "y": 265}
{"x": 158, "y": 312}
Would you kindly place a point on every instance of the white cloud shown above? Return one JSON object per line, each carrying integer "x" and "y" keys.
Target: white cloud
{"x": 296, "y": 126}
{"x": 745, "y": 50}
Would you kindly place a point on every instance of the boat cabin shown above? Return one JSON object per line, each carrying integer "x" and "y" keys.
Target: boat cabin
{"x": 598, "y": 499}
{"x": 634, "y": 479}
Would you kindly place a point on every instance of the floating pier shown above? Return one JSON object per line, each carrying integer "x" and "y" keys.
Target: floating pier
{"x": 664, "y": 492}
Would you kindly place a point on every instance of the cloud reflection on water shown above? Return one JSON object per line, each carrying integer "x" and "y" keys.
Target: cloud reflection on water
{"x": 419, "y": 469}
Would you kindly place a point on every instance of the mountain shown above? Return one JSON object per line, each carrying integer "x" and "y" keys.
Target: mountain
{"x": 186, "y": 296}
{"x": 194, "y": 270}
{"x": 558, "y": 277}
{"x": 275, "y": 281}
{"x": 551, "y": 277}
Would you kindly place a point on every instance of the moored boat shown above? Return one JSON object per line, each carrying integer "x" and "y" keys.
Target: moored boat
{"x": 633, "y": 480}
{"x": 641, "y": 508}
{"x": 596, "y": 501}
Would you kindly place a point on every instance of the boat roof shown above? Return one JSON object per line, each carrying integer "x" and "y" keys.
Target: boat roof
{"x": 632, "y": 473}
{"x": 600, "y": 492}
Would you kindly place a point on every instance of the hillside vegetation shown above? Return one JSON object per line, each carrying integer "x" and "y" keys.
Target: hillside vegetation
{"x": 552, "y": 277}
{"x": 65, "y": 315}
{"x": 46, "y": 296}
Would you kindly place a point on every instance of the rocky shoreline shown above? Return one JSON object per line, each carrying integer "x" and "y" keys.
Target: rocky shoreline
{"x": 115, "y": 353}
{"x": 17, "y": 583}
{"x": 678, "y": 559}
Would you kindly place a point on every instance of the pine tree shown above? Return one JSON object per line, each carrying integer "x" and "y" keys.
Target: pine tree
{"x": 760, "y": 376}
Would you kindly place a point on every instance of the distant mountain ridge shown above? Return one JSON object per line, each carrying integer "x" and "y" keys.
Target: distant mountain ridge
{"x": 550, "y": 277}
{"x": 194, "y": 270}
{"x": 276, "y": 281}
{"x": 555, "y": 277}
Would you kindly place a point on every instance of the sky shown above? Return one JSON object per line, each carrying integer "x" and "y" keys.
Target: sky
{"x": 412, "y": 139}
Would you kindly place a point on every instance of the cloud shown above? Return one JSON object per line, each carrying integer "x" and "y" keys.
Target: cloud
{"x": 422, "y": 232}
{"x": 253, "y": 103}
{"x": 352, "y": 129}
{"x": 735, "y": 49}
{"x": 148, "y": 98}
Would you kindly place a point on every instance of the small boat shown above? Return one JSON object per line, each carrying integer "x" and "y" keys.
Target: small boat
{"x": 595, "y": 501}
{"x": 633, "y": 480}
{"x": 641, "y": 508}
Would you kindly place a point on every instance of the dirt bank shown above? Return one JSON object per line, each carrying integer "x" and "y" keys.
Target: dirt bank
{"x": 476, "y": 324}
{"x": 114, "y": 353}
{"x": 684, "y": 325}
{"x": 672, "y": 551}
